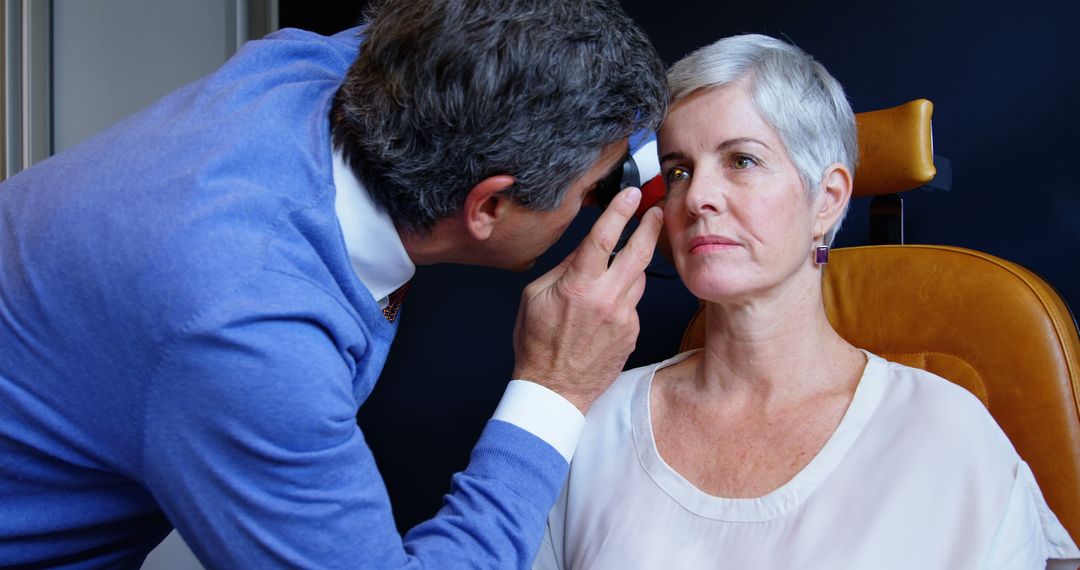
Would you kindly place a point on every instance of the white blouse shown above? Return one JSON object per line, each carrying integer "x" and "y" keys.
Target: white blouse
{"x": 917, "y": 475}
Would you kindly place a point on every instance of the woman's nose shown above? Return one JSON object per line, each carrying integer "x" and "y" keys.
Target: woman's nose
{"x": 705, "y": 196}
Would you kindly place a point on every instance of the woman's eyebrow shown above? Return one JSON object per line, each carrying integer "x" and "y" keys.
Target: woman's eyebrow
{"x": 740, "y": 140}
{"x": 671, "y": 156}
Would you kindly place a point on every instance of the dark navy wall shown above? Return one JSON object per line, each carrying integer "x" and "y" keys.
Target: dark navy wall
{"x": 1005, "y": 81}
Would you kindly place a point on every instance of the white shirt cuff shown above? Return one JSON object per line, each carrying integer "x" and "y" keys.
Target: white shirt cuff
{"x": 542, "y": 413}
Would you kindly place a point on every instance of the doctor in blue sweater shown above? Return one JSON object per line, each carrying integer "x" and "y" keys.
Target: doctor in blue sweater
{"x": 194, "y": 303}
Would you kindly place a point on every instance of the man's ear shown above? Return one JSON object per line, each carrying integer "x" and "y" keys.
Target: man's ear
{"x": 832, "y": 202}
{"x": 485, "y": 205}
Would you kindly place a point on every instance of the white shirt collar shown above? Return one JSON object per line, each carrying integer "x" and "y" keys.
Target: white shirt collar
{"x": 375, "y": 250}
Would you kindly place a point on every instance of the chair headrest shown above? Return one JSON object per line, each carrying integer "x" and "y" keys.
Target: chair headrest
{"x": 896, "y": 149}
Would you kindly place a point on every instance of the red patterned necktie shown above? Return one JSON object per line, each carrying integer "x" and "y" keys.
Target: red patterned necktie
{"x": 393, "y": 302}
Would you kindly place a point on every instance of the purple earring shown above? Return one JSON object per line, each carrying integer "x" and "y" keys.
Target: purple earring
{"x": 821, "y": 254}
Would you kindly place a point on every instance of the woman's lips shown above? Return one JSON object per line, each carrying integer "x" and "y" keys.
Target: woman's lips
{"x": 709, "y": 244}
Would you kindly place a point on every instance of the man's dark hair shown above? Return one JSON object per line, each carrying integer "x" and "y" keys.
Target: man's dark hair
{"x": 445, "y": 93}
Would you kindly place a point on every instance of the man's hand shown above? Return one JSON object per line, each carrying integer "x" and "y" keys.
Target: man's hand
{"x": 578, "y": 323}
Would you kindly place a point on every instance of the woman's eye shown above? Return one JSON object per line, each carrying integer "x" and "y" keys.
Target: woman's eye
{"x": 678, "y": 174}
{"x": 743, "y": 162}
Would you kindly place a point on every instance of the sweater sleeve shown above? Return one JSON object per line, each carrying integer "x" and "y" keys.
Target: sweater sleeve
{"x": 251, "y": 448}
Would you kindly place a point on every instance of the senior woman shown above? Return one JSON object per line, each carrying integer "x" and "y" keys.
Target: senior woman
{"x": 781, "y": 445}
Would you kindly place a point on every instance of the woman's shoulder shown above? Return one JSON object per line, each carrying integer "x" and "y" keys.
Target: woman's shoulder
{"x": 944, "y": 423}
{"x": 626, "y": 384}
{"x": 922, "y": 383}
{"x": 928, "y": 405}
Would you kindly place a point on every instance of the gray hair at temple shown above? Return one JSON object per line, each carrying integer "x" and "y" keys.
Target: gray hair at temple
{"x": 794, "y": 94}
{"x": 446, "y": 93}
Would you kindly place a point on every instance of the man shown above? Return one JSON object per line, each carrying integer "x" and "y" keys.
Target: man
{"x": 194, "y": 303}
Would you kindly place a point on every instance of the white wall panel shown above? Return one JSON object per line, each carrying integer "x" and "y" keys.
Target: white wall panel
{"x": 112, "y": 58}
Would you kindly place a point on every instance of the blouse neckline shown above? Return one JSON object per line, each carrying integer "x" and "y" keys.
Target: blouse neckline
{"x": 781, "y": 500}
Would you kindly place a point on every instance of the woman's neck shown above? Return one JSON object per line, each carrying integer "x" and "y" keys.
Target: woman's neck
{"x": 776, "y": 348}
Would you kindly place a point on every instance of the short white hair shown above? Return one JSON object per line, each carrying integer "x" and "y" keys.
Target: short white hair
{"x": 792, "y": 92}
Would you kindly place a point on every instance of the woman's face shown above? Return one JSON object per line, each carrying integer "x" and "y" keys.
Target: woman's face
{"x": 738, "y": 219}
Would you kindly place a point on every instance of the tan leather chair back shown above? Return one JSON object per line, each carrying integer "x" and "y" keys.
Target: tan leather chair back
{"x": 984, "y": 323}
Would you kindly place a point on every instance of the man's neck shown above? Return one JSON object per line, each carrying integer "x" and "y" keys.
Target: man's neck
{"x": 446, "y": 242}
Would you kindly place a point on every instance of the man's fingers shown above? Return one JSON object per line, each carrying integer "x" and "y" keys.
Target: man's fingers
{"x": 632, "y": 260}
{"x": 637, "y": 290}
{"x": 553, "y": 275}
{"x": 591, "y": 257}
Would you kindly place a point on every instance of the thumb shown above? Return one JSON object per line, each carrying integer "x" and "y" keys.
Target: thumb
{"x": 548, "y": 279}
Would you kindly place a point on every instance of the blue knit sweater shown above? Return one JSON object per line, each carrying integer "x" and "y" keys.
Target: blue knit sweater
{"x": 183, "y": 343}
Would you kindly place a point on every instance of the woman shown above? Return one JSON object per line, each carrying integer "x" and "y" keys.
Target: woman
{"x": 781, "y": 445}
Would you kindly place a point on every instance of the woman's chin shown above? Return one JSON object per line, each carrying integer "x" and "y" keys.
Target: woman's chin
{"x": 720, "y": 293}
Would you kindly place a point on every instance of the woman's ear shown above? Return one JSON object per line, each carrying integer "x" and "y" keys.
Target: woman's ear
{"x": 486, "y": 205}
{"x": 833, "y": 199}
